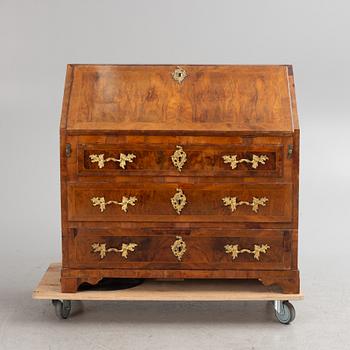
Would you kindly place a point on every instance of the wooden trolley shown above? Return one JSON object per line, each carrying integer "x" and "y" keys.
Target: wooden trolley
{"x": 164, "y": 290}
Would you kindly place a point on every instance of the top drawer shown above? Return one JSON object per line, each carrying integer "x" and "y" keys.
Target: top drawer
{"x": 184, "y": 157}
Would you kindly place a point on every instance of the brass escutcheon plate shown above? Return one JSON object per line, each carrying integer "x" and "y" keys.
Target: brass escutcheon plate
{"x": 178, "y": 248}
{"x": 178, "y": 201}
{"x": 179, "y": 74}
{"x": 179, "y": 158}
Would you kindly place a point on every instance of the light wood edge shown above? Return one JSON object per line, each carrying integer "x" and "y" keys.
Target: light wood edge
{"x": 66, "y": 96}
{"x": 43, "y": 292}
{"x": 294, "y": 110}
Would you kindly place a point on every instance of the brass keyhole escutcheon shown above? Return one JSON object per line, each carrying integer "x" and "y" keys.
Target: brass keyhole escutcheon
{"x": 179, "y": 248}
{"x": 179, "y": 158}
{"x": 179, "y": 74}
{"x": 178, "y": 201}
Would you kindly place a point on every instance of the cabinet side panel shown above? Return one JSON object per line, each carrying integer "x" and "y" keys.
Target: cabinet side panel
{"x": 66, "y": 96}
{"x": 63, "y": 165}
{"x": 296, "y": 161}
{"x": 296, "y": 144}
{"x": 293, "y": 100}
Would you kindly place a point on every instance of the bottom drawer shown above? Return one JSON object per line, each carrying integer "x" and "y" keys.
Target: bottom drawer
{"x": 181, "y": 249}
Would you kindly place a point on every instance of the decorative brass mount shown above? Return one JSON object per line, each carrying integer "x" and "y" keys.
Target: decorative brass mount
{"x": 234, "y": 251}
{"x": 179, "y": 74}
{"x": 179, "y": 158}
{"x": 178, "y": 247}
{"x": 103, "y": 250}
{"x": 233, "y": 203}
{"x": 255, "y": 161}
{"x": 101, "y": 202}
{"x": 123, "y": 158}
{"x": 179, "y": 200}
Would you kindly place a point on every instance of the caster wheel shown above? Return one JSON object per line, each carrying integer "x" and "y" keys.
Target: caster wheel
{"x": 62, "y": 308}
{"x": 286, "y": 314}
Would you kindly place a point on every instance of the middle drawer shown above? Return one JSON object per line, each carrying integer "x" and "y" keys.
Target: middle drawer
{"x": 174, "y": 202}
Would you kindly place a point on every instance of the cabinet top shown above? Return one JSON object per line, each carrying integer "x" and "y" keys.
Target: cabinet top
{"x": 185, "y": 99}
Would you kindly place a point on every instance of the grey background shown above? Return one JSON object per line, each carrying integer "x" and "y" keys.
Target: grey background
{"x": 38, "y": 39}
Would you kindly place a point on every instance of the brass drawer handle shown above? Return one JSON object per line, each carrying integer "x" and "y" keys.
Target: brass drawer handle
{"x": 179, "y": 158}
{"x": 101, "y": 202}
{"x": 178, "y": 201}
{"x": 234, "y": 251}
{"x": 232, "y": 160}
{"x": 123, "y": 158}
{"x": 178, "y": 248}
{"x": 103, "y": 250}
{"x": 233, "y": 203}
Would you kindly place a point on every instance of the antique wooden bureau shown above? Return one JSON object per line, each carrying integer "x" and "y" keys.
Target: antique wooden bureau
{"x": 185, "y": 171}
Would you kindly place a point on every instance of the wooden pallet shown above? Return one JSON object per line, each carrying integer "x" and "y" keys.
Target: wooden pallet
{"x": 157, "y": 290}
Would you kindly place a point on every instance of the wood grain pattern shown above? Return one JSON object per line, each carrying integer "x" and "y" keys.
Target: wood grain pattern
{"x": 212, "y": 98}
{"x": 286, "y": 280}
{"x": 204, "y": 157}
{"x": 217, "y": 110}
{"x": 206, "y": 160}
{"x": 204, "y": 202}
{"x": 206, "y": 251}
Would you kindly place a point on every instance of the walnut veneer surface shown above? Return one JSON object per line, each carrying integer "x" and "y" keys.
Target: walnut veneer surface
{"x": 229, "y": 210}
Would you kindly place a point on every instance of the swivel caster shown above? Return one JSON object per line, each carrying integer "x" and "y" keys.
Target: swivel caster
{"x": 284, "y": 311}
{"x": 62, "y": 308}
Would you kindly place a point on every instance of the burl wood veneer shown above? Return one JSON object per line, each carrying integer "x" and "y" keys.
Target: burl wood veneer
{"x": 179, "y": 172}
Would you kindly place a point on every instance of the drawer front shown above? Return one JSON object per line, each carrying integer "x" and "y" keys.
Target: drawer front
{"x": 171, "y": 249}
{"x": 173, "y": 159}
{"x": 178, "y": 202}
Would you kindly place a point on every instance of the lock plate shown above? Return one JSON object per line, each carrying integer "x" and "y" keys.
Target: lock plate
{"x": 179, "y": 74}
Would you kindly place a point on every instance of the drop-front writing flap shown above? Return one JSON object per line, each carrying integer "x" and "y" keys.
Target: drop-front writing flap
{"x": 174, "y": 99}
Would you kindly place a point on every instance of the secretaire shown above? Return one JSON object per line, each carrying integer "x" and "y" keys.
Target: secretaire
{"x": 184, "y": 171}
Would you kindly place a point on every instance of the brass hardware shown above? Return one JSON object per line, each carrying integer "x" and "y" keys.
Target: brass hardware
{"x": 101, "y": 202}
{"x": 232, "y": 160}
{"x": 179, "y": 74}
{"x": 178, "y": 247}
{"x": 179, "y": 158}
{"x": 178, "y": 201}
{"x": 123, "y": 158}
{"x": 290, "y": 151}
{"x": 68, "y": 150}
{"x": 234, "y": 251}
{"x": 233, "y": 203}
{"x": 102, "y": 250}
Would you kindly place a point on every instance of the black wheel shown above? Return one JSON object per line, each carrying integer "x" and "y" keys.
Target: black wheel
{"x": 286, "y": 314}
{"x": 62, "y": 308}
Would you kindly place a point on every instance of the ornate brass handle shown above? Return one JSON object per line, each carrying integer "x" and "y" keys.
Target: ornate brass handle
{"x": 179, "y": 158}
{"x": 123, "y": 158}
{"x": 234, "y": 251}
{"x": 178, "y": 248}
{"x": 101, "y": 202}
{"x": 178, "y": 201}
{"x": 233, "y": 203}
{"x": 232, "y": 160}
{"x": 103, "y": 250}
